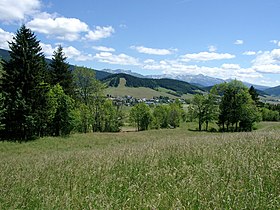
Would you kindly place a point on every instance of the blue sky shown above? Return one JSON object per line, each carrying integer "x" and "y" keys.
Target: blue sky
{"x": 219, "y": 38}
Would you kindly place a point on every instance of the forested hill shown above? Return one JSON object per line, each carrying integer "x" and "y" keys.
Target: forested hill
{"x": 176, "y": 85}
{"x": 4, "y": 54}
{"x": 274, "y": 91}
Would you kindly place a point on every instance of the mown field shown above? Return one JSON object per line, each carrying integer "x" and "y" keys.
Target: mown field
{"x": 165, "y": 169}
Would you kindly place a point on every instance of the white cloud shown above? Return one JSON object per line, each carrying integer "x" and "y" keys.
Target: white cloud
{"x": 62, "y": 28}
{"x": 212, "y": 48}
{"x": 206, "y": 56}
{"x": 4, "y": 38}
{"x": 230, "y": 66}
{"x": 249, "y": 53}
{"x": 269, "y": 69}
{"x": 11, "y": 10}
{"x": 149, "y": 61}
{"x": 276, "y": 42}
{"x": 100, "y": 33}
{"x": 103, "y": 48}
{"x": 123, "y": 25}
{"x": 73, "y": 53}
{"x": 70, "y": 52}
{"x": 268, "y": 62}
{"x": 239, "y": 42}
{"x": 121, "y": 59}
{"x": 47, "y": 49}
{"x": 268, "y": 57}
{"x": 152, "y": 51}
{"x": 224, "y": 72}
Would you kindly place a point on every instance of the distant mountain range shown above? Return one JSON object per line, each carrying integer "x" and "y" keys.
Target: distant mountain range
{"x": 199, "y": 81}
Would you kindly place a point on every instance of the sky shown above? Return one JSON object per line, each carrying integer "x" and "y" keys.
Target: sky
{"x": 238, "y": 39}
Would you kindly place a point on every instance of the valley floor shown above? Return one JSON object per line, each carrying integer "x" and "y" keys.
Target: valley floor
{"x": 157, "y": 169}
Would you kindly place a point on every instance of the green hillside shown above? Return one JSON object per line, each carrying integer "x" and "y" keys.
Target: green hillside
{"x": 142, "y": 92}
{"x": 273, "y": 91}
{"x": 175, "y": 86}
{"x": 4, "y": 54}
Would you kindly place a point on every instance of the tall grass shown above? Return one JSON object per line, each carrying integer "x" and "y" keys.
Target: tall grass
{"x": 167, "y": 169}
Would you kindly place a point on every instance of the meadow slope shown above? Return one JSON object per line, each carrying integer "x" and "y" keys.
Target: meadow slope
{"x": 166, "y": 169}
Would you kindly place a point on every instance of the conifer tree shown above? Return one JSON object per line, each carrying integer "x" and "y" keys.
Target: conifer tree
{"x": 60, "y": 72}
{"x": 2, "y": 110}
{"x": 254, "y": 94}
{"x": 22, "y": 75}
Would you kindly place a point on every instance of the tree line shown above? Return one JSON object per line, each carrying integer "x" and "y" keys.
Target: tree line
{"x": 161, "y": 116}
{"x": 235, "y": 109}
{"x": 48, "y": 99}
{"x": 39, "y": 99}
{"x": 231, "y": 106}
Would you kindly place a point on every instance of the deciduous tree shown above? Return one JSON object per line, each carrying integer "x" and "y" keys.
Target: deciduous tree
{"x": 62, "y": 107}
{"x": 141, "y": 116}
{"x": 161, "y": 116}
{"x": 237, "y": 108}
{"x": 198, "y": 109}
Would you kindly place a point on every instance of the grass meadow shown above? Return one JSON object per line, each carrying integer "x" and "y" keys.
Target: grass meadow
{"x": 156, "y": 169}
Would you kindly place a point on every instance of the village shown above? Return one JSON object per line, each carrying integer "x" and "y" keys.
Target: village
{"x": 131, "y": 101}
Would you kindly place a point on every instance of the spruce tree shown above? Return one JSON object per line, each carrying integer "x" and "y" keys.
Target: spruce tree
{"x": 254, "y": 94}
{"x": 21, "y": 78}
{"x": 60, "y": 72}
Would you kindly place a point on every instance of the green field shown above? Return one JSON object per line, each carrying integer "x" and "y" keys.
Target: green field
{"x": 156, "y": 169}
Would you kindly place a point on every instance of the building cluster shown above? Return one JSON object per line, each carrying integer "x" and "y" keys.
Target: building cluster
{"x": 131, "y": 101}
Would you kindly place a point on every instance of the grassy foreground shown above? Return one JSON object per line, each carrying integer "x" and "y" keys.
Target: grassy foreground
{"x": 166, "y": 169}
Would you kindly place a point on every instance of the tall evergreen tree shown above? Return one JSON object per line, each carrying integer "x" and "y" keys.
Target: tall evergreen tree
{"x": 254, "y": 94}
{"x": 60, "y": 72}
{"x": 2, "y": 112}
{"x": 1, "y": 68}
{"x": 2, "y": 109}
{"x": 22, "y": 75}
